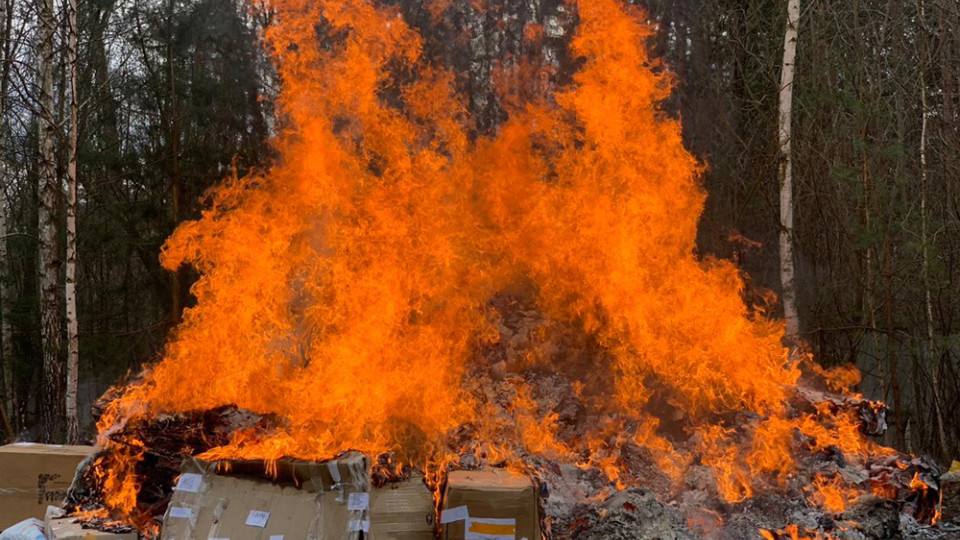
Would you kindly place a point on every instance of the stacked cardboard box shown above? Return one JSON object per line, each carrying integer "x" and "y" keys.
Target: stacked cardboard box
{"x": 334, "y": 500}
{"x": 402, "y": 511}
{"x": 33, "y": 476}
{"x": 493, "y": 504}
{"x": 323, "y": 501}
{"x": 68, "y": 529}
{"x": 207, "y": 505}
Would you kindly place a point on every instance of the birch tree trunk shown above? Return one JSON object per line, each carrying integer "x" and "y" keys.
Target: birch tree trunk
{"x": 787, "y": 270}
{"x": 73, "y": 338}
{"x": 53, "y": 376}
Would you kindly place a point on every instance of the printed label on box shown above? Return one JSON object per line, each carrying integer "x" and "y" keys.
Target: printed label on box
{"x": 189, "y": 482}
{"x": 358, "y": 501}
{"x": 257, "y": 518}
{"x": 179, "y": 512}
{"x": 454, "y": 514}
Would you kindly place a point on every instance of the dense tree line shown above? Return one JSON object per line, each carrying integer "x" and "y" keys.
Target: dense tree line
{"x": 173, "y": 95}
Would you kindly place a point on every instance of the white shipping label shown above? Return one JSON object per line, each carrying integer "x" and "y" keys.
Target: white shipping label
{"x": 454, "y": 514}
{"x": 357, "y": 525}
{"x": 189, "y": 482}
{"x": 334, "y": 471}
{"x": 358, "y": 501}
{"x": 179, "y": 512}
{"x": 276, "y": 537}
{"x": 490, "y": 529}
{"x": 257, "y": 518}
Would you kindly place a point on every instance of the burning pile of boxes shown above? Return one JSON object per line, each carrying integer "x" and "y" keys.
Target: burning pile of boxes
{"x": 298, "y": 500}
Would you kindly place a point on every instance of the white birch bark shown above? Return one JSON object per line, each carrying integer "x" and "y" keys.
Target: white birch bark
{"x": 787, "y": 269}
{"x": 73, "y": 338}
{"x": 47, "y": 230}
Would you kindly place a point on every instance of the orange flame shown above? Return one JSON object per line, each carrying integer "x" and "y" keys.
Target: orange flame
{"x": 345, "y": 289}
{"x": 793, "y": 532}
{"x": 832, "y": 494}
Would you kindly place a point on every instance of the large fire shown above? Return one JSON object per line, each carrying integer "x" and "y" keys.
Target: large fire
{"x": 347, "y": 289}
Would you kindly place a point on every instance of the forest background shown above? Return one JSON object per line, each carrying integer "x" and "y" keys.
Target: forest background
{"x": 116, "y": 116}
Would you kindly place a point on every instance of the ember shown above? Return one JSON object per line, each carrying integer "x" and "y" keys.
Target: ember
{"x": 530, "y": 300}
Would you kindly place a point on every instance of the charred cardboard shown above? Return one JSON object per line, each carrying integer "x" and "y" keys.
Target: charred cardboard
{"x": 350, "y": 470}
{"x": 206, "y": 505}
{"x": 33, "y": 476}
{"x": 490, "y": 505}
{"x": 402, "y": 511}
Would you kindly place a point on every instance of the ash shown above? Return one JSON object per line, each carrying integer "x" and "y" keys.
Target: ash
{"x": 583, "y": 503}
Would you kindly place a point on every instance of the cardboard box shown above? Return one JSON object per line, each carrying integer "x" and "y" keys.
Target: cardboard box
{"x": 493, "y": 504}
{"x": 33, "y": 476}
{"x": 350, "y": 470}
{"x": 67, "y": 529}
{"x": 206, "y": 505}
{"x": 402, "y": 511}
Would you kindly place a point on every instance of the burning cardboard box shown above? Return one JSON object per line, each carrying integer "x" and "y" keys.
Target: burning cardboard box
{"x": 332, "y": 502}
{"x": 303, "y": 500}
{"x": 490, "y": 505}
{"x": 33, "y": 476}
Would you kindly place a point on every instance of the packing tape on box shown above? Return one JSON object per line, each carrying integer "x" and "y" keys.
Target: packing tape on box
{"x": 191, "y": 487}
{"x": 357, "y": 525}
{"x": 18, "y": 491}
{"x": 359, "y": 475}
{"x": 334, "y": 467}
{"x": 218, "y": 523}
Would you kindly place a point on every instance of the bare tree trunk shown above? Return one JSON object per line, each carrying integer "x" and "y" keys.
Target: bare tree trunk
{"x": 869, "y": 199}
{"x": 73, "y": 338}
{"x": 925, "y": 241}
{"x": 787, "y": 269}
{"x": 6, "y": 334}
{"x": 177, "y": 277}
{"x": 53, "y": 376}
